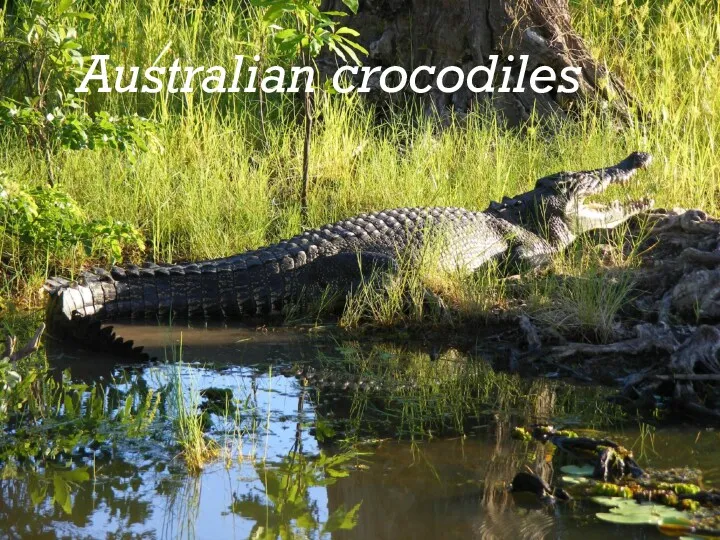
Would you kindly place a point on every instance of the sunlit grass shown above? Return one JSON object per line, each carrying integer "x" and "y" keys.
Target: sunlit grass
{"x": 586, "y": 287}
{"x": 585, "y": 305}
{"x": 400, "y": 296}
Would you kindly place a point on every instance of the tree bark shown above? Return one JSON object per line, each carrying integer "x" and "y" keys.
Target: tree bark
{"x": 464, "y": 33}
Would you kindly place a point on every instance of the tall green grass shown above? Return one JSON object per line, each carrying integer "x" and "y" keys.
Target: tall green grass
{"x": 224, "y": 177}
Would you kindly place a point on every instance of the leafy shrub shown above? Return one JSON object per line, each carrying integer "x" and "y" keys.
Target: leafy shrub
{"x": 48, "y": 219}
{"x": 41, "y": 62}
{"x": 68, "y": 126}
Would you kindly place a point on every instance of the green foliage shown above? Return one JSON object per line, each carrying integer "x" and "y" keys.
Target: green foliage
{"x": 43, "y": 419}
{"x": 47, "y": 427}
{"x": 63, "y": 481}
{"x": 49, "y": 220}
{"x": 42, "y": 54}
{"x": 310, "y": 29}
{"x": 41, "y": 62}
{"x": 630, "y": 512}
{"x": 138, "y": 415}
{"x": 290, "y": 511}
{"x": 198, "y": 449}
{"x": 68, "y": 126}
{"x": 9, "y": 379}
{"x": 409, "y": 395}
{"x": 223, "y": 192}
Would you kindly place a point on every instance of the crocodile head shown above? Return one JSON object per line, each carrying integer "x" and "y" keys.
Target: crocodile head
{"x": 562, "y": 197}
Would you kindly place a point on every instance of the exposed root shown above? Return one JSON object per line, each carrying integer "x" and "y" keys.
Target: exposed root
{"x": 678, "y": 286}
{"x": 648, "y": 338}
{"x": 531, "y": 333}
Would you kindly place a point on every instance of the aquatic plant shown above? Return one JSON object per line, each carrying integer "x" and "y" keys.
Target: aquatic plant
{"x": 197, "y": 447}
{"x": 287, "y": 510}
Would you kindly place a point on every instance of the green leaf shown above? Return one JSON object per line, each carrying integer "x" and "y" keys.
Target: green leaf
{"x": 62, "y": 494}
{"x": 346, "y": 30}
{"x": 574, "y": 470}
{"x": 631, "y": 513}
{"x": 38, "y": 490}
{"x": 611, "y": 501}
{"x": 76, "y": 475}
{"x": 641, "y": 519}
{"x": 333, "y": 47}
{"x": 287, "y": 34}
{"x": 81, "y": 15}
{"x": 252, "y": 509}
{"x": 305, "y": 521}
{"x": 337, "y": 473}
{"x": 350, "y": 53}
{"x": 353, "y": 44}
{"x": 574, "y": 480}
{"x": 271, "y": 482}
{"x": 341, "y": 519}
{"x": 274, "y": 13}
{"x": 353, "y": 5}
{"x": 37, "y": 496}
{"x": 70, "y": 45}
{"x": 63, "y": 6}
{"x": 315, "y": 12}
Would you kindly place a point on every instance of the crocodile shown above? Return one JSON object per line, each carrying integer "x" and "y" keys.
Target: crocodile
{"x": 525, "y": 230}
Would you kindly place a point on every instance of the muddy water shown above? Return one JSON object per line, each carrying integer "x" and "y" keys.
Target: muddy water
{"x": 442, "y": 488}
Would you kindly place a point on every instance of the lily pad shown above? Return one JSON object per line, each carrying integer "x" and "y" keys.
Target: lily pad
{"x": 574, "y": 470}
{"x": 629, "y": 519}
{"x": 659, "y": 510}
{"x": 573, "y": 480}
{"x": 612, "y": 501}
{"x": 632, "y": 513}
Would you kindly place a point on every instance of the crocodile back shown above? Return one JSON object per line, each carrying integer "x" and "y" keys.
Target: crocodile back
{"x": 259, "y": 282}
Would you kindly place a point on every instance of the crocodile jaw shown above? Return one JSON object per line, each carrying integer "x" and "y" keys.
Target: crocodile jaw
{"x": 606, "y": 216}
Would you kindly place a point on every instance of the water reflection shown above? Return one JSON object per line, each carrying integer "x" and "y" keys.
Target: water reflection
{"x": 280, "y": 481}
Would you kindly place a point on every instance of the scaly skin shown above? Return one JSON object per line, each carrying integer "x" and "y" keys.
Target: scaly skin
{"x": 527, "y": 229}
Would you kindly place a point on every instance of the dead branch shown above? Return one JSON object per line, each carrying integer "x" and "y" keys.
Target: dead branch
{"x": 29, "y": 348}
{"x": 649, "y": 337}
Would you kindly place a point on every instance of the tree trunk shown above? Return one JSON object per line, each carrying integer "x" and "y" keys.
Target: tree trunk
{"x": 306, "y": 159}
{"x": 464, "y": 33}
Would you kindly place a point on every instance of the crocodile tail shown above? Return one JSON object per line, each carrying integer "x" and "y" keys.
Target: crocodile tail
{"x": 75, "y": 312}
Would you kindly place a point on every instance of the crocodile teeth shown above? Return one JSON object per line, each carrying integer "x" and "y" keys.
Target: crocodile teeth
{"x": 642, "y": 204}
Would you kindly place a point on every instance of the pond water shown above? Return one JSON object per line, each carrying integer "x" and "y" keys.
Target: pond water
{"x": 268, "y": 478}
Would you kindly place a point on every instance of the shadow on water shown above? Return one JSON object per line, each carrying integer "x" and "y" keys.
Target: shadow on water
{"x": 281, "y": 471}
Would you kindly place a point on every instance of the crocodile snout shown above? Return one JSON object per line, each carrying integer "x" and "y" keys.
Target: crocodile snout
{"x": 639, "y": 160}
